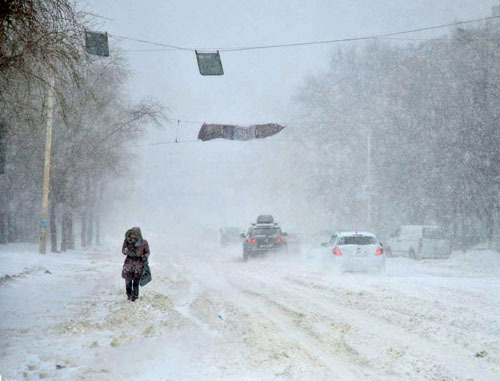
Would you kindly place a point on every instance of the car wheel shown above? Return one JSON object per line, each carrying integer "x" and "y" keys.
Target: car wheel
{"x": 245, "y": 256}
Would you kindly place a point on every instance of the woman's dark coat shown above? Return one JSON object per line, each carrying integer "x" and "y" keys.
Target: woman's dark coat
{"x": 137, "y": 254}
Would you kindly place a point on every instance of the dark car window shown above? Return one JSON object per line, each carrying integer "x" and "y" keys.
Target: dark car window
{"x": 357, "y": 241}
{"x": 434, "y": 233}
{"x": 265, "y": 231}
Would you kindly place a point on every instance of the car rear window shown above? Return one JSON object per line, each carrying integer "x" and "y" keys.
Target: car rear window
{"x": 265, "y": 231}
{"x": 434, "y": 233}
{"x": 357, "y": 240}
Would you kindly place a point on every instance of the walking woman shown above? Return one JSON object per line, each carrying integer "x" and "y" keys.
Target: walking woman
{"x": 137, "y": 251}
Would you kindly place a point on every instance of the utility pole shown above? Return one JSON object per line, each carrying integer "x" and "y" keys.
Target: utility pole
{"x": 369, "y": 179}
{"x": 49, "y": 114}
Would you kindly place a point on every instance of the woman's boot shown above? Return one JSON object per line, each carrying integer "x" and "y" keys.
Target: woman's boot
{"x": 135, "y": 290}
{"x": 128, "y": 289}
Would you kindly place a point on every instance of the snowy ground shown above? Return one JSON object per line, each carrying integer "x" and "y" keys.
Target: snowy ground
{"x": 208, "y": 315}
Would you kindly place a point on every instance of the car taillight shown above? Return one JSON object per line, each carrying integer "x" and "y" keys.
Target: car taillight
{"x": 252, "y": 240}
{"x": 379, "y": 251}
{"x": 337, "y": 251}
{"x": 281, "y": 240}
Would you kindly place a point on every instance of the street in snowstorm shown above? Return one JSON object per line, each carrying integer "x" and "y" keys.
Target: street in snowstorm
{"x": 209, "y": 315}
{"x": 254, "y": 190}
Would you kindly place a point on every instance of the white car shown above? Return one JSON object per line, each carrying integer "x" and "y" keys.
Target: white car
{"x": 355, "y": 251}
{"x": 418, "y": 242}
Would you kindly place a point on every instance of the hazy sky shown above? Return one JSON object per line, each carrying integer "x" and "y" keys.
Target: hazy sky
{"x": 257, "y": 85}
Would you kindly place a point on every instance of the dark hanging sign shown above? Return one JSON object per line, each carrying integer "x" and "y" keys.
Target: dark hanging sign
{"x": 232, "y": 132}
{"x": 96, "y": 43}
{"x": 209, "y": 63}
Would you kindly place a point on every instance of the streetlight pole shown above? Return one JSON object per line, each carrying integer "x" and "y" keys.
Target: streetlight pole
{"x": 369, "y": 177}
{"x": 49, "y": 114}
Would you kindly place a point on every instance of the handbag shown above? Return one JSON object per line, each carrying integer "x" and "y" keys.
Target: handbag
{"x": 145, "y": 275}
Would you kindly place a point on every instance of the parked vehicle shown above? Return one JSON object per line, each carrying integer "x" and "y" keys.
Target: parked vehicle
{"x": 262, "y": 238}
{"x": 229, "y": 235}
{"x": 419, "y": 242}
{"x": 356, "y": 251}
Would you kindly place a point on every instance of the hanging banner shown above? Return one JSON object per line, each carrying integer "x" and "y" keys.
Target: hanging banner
{"x": 96, "y": 43}
{"x": 232, "y": 132}
{"x": 209, "y": 63}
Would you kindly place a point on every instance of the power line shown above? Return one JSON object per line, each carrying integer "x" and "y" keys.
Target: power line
{"x": 184, "y": 121}
{"x": 149, "y": 50}
{"x": 166, "y": 142}
{"x": 178, "y": 121}
{"x": 221, "y": 140}
{"x": 152, "y": 43}
{"x": 293, "y": 140}
{"x": 99, "y": 16}
{"x": 365, "y": 37}
{"x": 176, "y": 141}
{"x": 299, "y": 123}
{"x": 380, "y": 38}
{"x": 259, "y": 47}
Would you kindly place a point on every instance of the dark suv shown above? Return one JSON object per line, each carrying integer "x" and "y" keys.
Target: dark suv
{"x": 263, "y": 237}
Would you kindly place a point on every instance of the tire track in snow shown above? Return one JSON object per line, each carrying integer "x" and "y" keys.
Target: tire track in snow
{"x": 416, "y": 346}
{"x": 270, "y": 334}
{"x": 287, "y": 321}
{"x": 438, "y": 323}
{"x": 382, "y": 330}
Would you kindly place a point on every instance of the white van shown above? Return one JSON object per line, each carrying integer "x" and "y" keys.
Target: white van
{"x": 418, "y": 242}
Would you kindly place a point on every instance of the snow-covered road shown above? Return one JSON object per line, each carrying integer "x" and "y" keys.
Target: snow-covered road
{"x": 209, "y": 315}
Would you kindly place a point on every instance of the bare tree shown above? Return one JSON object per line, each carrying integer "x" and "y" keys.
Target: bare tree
{"x": 94, "y": 120}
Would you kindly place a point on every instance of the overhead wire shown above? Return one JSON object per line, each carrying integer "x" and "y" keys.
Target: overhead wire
{"x": 179, "y": 121}
{"x": 151, "y": 42}
{"x": 296, "y": 44}
{"x": 299, "y": 123}
{"x": 99, "y": 16}
{"x": 206, "y": 49}
{"x": 259, "y": 47}
{"x": 221, "y": 140}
